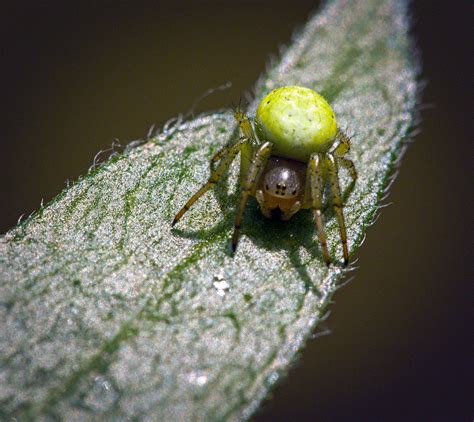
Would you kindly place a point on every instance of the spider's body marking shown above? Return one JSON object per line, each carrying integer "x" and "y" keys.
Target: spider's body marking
{"x": 291, "y": 151}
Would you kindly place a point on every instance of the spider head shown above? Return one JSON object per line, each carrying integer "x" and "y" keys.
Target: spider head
{"x": 282, "y": 188}
{"x": 282, "y": 182}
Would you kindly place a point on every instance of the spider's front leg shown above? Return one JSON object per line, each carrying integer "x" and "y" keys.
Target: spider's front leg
{"x": 249, "y": 184}
{"x": 246, "y": 131}
{"x": 222, "y": 152}
{"x": 226, "y": 155}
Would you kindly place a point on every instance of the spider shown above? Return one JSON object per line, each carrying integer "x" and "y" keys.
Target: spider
{"x": 289, "y": 153}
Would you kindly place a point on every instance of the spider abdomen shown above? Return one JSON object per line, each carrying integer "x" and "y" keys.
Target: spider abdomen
{"x": 298, "y": 121}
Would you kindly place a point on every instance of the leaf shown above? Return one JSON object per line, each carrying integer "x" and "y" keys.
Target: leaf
{"x": 108, "y": 312}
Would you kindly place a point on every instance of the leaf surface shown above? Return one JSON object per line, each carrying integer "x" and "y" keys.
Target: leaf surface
{"x": 107, "y": 311}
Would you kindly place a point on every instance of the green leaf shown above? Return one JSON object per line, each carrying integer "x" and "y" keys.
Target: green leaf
{"x": 106, "y": 311}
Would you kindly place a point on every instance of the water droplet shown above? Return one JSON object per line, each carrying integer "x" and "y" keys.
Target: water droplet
{"x": 197, "y": 379}
{"x": 221, "y": 285}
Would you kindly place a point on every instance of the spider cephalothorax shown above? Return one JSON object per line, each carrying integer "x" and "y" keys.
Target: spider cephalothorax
{"x": 280, "y": 191}
{"x": 291, "y": 150}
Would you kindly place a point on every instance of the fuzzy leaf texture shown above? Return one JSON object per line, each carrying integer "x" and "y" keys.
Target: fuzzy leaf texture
{"x": 109, "y": 313}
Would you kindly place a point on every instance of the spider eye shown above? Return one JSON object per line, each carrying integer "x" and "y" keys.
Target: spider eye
{"x": 282, "y": 182}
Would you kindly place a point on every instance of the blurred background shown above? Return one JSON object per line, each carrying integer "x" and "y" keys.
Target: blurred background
{"x": 76, "y": 76}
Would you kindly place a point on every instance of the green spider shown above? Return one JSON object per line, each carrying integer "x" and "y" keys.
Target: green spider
{"x": 288, "y": 155}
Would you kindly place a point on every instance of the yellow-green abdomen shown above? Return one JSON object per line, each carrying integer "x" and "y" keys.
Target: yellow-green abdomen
{"x": 298, "y": 121}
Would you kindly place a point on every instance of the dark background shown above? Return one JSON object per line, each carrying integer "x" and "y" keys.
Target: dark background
{"x": 77, "y": 75}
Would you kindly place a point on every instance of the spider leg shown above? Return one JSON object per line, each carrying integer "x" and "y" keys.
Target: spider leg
{"x": 223, "y": 151}
{"x": 349, "y": 166}
{"x": 315, "y": 191}
{"x": 343, "y": 145}
{"x": 263, "y": 205}
{"x": 245, "y": 126}
{"x": 337, "y": 203}
{"x": 292, "y": 211}
{"x": 227, "y": 157}
{"x": 248, "y": 186}
{"x": 342, "y": 148}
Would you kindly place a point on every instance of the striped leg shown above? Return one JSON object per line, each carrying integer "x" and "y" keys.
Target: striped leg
{"x": 337, "y": 203}
{"x": 343, "y": 145}
{"x": 248, "y": 186}
{"x": 245, "y": 125}
{"x": 349, "y": 166}
{"x": 223, "y": 151}
{"x": 316, "y": 185}
{"x": 227, "y": 158}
